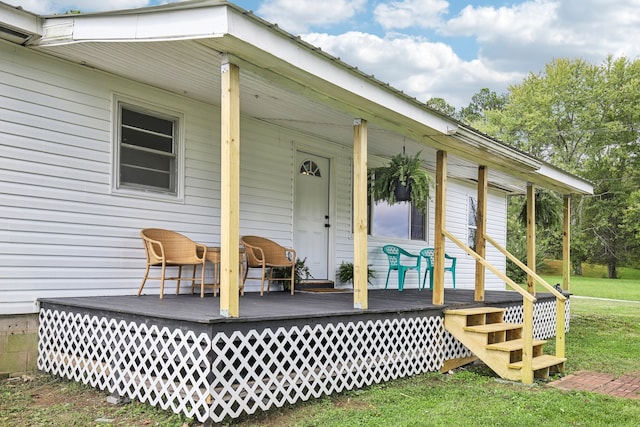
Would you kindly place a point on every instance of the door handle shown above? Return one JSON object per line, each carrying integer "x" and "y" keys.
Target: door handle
{"x": 326, "y": 224}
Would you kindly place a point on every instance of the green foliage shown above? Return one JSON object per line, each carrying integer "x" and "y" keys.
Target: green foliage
{"x": 548, "y": 210}
{"x": 407, "y": 170}
{"x": 301, "y": 272}
{"x": 481, "y": 103}
{"x": 345, "y": 272}
{"x": 439, "y": 104}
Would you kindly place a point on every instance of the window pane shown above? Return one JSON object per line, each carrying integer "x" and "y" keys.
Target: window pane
{"x": 146, "y": 177}
{"x": 144, "y": 159}
{"x": 143, "y": 139}
{"x": 147, "y": 122}
{"x": 417, "y": 224}
{"x": 391, "y": 220}
{"x": 472, "y": 238}
{"x": 472, "y": 212}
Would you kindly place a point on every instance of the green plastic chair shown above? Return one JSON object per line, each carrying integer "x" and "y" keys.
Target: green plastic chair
{"x": 427, "y": 254}
{"x": 397, "y": 256}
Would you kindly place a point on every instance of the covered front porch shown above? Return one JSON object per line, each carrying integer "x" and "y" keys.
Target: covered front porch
{"x": 180, "y": 354}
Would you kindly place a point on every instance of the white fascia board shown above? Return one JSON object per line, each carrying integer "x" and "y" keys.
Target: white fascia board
{"x": 292, "y": 50}
{"x": 572, "y": 183}
{"x": 145, "y": 26}
{"x": 496, "y": 148}
{"x": 19, "y": 20}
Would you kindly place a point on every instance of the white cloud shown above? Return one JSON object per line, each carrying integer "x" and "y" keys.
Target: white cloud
{"x": 524, "y": 22}
{"x": 526, "y": 36}
{"x": 297, "y": 16}
{"x": 410, "y": 13}
{"x": 416, "y": 66}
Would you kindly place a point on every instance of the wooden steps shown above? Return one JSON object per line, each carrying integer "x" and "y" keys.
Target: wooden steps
{"x": 499, "y": 344}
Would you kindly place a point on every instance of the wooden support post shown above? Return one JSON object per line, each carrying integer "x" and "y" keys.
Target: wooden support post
{"x": 566, "y": 245}
{"x": 438, "y": 238}
{"x": 481, "y": 231}
{"x": 560, "y": 327}
{"x": 360, "y": 279}
{"x": 531, "y": 236}
{"x": 229, "y": 189}
{"x": 527, "y": 342}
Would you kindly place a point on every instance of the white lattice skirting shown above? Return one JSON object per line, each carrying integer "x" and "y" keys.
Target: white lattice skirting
{"x": 225, "y": 375}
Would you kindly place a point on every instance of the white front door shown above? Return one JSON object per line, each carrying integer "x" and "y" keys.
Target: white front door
{"x": 312, "y": 222}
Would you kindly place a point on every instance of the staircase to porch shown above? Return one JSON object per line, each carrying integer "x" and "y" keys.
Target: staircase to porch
{"x": 501, "y": 345}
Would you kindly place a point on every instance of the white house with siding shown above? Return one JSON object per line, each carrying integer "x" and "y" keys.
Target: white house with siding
{"x": 77, "y": 189}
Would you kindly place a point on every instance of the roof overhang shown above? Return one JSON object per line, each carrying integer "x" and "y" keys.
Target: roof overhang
{"x": 285, "y": 81}
{"x": 18, "y": 26}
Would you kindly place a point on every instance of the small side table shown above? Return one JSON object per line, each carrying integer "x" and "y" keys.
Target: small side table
{"x": 213, "y": 256}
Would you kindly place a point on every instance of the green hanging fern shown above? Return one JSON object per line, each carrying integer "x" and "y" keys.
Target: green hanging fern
{"x": 408, "y": 171}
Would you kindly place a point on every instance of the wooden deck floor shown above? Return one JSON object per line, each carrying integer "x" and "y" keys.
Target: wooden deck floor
{"x": 278, "y": 305}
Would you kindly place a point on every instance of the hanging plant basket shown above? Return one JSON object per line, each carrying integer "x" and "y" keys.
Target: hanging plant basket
{"x": 403, "y": 179}
{"x": 403, "y": 192}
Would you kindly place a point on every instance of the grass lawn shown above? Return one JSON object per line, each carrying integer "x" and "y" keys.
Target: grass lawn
{"x": 593, "y": 282}
{"x": 604, "y": 336}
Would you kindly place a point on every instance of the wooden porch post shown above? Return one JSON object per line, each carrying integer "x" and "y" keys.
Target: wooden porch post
{"x": 481, "y": 231}
{"x": 360, "y": 291}
{"x": 229, "y": 188}
{"x": 531, "y": 236}
{"x": 438, "y": 238}
{"x": 566, "y": 244}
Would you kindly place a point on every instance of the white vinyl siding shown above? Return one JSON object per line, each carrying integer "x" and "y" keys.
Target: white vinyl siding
{"x": 63, "y": 233}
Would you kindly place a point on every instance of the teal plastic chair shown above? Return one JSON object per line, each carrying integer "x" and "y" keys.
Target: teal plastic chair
{"x": 401, "y": 261}
{"x": 427, "y": 254}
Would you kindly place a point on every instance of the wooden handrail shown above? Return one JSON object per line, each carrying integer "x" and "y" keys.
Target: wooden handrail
{"x": 525, "y": 295}
{"x": 560, "y": 298}
{"x": 526, "y": 269}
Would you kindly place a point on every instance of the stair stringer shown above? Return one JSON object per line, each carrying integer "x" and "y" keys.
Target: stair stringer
{"x": 497, "y": 343}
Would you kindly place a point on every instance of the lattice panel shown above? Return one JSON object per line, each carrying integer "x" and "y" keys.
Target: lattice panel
{"x": 261, "y": 369}
{"x": 166, "y": 368}
{"x": 250, "y": 371}
{"x": 544, "y": 318}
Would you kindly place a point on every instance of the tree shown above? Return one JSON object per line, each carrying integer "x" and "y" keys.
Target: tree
{"x": 439, "y": 104}
{"x": 585, "y": 119}
{"x": 483, "y": 101}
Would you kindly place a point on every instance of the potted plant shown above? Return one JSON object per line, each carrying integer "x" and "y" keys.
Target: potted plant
{"x": 345, "y": 272}
{"x": 402, "y": 180}
{"x": 300, "y": 270}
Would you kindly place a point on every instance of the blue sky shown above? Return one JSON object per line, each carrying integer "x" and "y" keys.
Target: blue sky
{"x": 438, "y": 48}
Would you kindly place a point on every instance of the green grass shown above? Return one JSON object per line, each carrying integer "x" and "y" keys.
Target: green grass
{"x": 594, "y": 282}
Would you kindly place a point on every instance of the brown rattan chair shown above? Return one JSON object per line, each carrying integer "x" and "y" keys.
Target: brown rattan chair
{"x": 165, "y": 248}
{"x": 266, "y": 254}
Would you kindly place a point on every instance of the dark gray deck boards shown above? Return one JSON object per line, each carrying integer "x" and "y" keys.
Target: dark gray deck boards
{"x": 279, "y": 306}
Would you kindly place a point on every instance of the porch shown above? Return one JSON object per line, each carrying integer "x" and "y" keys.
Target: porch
{"x": 180, "y": 354}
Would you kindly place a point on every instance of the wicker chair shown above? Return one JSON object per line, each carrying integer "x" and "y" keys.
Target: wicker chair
{"x": 266, "y": 254}
{"x": 165, "y": 248}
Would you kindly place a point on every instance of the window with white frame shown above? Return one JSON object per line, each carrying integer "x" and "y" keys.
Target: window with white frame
{"x": 147, "y": 150}
{"x": 472, "y": 222}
